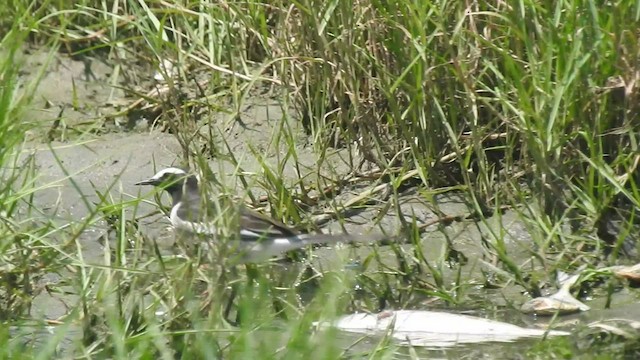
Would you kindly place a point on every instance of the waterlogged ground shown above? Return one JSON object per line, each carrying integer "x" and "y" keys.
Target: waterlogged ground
{"x": 91, "y": 153}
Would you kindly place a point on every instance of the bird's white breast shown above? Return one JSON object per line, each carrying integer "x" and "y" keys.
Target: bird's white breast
{"x": 199, "y": 228}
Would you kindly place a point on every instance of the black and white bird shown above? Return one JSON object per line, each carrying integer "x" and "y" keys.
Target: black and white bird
{"x": 259, "y": 237}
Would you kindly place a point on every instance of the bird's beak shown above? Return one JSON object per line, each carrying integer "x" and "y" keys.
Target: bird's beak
{"x": 146, "y": 182}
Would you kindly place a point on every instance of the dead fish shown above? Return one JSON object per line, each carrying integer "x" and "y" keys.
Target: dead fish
{"x": 562, "y": 302}
{"x": 631, "y": 273}
{"x": 434, "y": 329}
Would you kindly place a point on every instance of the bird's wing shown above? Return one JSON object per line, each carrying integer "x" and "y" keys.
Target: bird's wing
{"x": 255, "y": 226}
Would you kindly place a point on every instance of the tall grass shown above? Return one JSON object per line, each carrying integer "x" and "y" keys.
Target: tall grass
{"x": 524, "y": 105}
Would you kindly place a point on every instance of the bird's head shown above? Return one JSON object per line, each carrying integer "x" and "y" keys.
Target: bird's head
{"x": 171, "y": 179}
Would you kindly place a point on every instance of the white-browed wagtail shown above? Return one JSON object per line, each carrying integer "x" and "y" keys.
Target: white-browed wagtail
{"x": 258, "y": 237}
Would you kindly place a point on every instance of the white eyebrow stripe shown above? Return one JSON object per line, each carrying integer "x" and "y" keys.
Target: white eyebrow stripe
{"x": 171, "y": 170}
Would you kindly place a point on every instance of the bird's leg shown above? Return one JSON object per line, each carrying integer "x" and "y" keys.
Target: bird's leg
{"x": 229, "y": 306}
{"x": 232, "y": 297}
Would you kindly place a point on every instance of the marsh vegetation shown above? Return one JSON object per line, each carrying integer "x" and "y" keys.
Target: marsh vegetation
{"x": 496, "y": 143}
